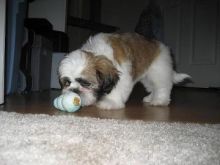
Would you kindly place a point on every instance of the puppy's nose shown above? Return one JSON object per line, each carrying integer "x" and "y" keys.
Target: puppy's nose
{"x": 75, "y": 90}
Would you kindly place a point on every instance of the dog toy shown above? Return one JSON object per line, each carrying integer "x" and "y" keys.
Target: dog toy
{"x": 69, "y": 102}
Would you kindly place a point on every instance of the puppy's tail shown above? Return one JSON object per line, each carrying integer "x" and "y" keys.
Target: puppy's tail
{"x": 179, "y": 77}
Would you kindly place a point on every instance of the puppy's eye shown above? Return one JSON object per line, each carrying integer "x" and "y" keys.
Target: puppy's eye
{"x": 83, "y": 82}
{"x": 65, "y": 82}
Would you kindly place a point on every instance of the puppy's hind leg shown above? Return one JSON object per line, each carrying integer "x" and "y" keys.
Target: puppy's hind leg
{"x": 149, "y": 88}
{"x": 161, "y": 89}
{"x": 160, "y": 74}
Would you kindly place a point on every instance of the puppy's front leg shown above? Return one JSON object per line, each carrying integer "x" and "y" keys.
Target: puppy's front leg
{"x": 117, "y": 98}
{"x": 110, "y": 103}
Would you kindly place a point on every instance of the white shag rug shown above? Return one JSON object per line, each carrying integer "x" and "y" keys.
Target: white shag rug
{"x": 68, "y": 140}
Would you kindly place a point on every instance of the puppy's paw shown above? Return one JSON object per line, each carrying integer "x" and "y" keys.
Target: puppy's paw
{"x": 147, "y": 99}
{"x": 108, "y": 104}
{"x": 160, "y": 102}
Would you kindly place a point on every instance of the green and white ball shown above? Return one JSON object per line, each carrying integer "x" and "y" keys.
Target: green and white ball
{"x": 69, "y": 102}
{"x": 58, "y": 103}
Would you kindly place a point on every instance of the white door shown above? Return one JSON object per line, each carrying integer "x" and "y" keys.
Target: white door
{"x": 192, "y": 30}
{"x": 2, "y": 48}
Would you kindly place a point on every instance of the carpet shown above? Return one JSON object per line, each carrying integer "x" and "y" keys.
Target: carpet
{"x": 66, "y": 140}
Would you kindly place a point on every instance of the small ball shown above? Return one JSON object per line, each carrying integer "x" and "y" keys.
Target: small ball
{"x": 71, "y": 102}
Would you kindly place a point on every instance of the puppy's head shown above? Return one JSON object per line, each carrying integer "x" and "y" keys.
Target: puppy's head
{"x": 90, "y": 76}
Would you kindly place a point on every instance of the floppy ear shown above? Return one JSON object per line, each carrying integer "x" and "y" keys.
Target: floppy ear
{"x": 107, "y": 75}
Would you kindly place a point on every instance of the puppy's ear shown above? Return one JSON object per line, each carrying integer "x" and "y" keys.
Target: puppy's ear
{"x": 107, "y": 75}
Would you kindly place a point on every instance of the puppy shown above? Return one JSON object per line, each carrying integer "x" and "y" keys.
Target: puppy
{"x": 106, "y": 68}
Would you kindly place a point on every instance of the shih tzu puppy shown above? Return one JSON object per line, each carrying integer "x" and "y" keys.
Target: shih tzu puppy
{"x": 106, "y": 68}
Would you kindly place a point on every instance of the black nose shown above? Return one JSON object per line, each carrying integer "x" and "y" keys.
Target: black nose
{"x": 75, "y": 90}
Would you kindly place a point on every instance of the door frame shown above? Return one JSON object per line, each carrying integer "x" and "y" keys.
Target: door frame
{"x": 2, "y": 48}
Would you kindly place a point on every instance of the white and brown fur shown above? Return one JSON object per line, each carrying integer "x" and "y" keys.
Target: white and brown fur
{"x": 106, "y": 68}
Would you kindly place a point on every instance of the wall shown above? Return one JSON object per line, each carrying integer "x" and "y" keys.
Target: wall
{"x": 122, "y": 13}
{"x": 53, "y": 10}
{"x": 77, "y": 35}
